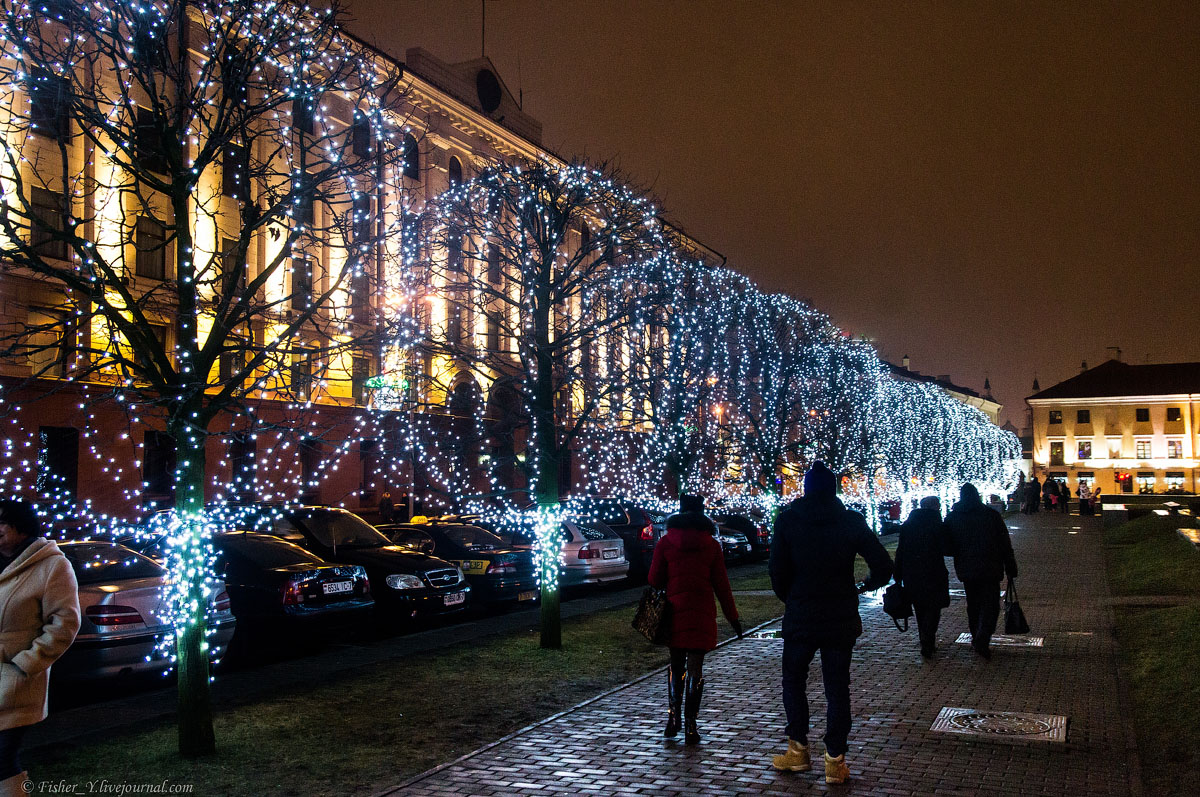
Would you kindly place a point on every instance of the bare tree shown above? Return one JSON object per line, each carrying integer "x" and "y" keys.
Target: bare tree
{"x": 543, "y": 272}
{"x": 198, "y": 198}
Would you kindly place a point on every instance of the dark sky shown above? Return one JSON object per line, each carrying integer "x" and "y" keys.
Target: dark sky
{"x": 998, "y": 190}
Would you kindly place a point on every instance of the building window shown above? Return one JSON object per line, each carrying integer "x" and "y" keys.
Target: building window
{"x": 233, "y": 273}
{"x": 150, "y": 241}
{"x": 49, "y": 104}
{"x": 1145, "y": 482}
{"x": 48, "y": 226}
{"x": 1083, "y": 416}
{"x": 494, "y": 274}
{"x": 303, "y": 117}
{"x": 1174, "y": 449}
{"x": 1086, "y": 477}
{"x": 58, "y": 461}
{"x": 1174, "y": 414}
{"x": 361, "y": 142}
{"x": 1085, "y": 450}
{"x": 1056, "y": 453}
{"x": 412, "y": 158}
{"x": 454, "y": 324}
{"x": 493, "y": 333}
{"x": 454, "y": 252}
{"x": 158, "y": 469}
{"x": 1175, "y": 480}
{"x": 49, "y": 343}
{"x": 302, "y": 373}
{"x": 148, "y": 142}
{"x": 1055, "y": 417}
{"x": 1142, "y": 415}
{"x": 364, "y": 223}
{"x": 235, "y": 169}
{"x": 454, "y": 172}
{"x": 302, "y": 283}
{"x": 1142, "y": 449}
{"x": 235, "y": 358}
{"x": 360, "y": 370}
{"x": 305, "y": 200}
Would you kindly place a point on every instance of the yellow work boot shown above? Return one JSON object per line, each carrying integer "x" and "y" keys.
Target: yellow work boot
{"x": 794, "y": 760}
{"x": 836, "y": 770}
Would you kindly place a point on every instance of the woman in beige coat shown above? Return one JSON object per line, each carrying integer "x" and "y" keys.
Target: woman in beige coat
{"x": 39, "y": 616}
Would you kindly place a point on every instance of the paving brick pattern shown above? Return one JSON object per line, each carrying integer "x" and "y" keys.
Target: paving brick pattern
{"x": 613, "y": 745}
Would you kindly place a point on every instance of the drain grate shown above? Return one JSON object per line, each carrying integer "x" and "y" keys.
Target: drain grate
{"x": 765, "y": 635}
{"x": 962, "y": 593}
{"x": 1001, "y": 724}
{"x": 1007, "y": 640}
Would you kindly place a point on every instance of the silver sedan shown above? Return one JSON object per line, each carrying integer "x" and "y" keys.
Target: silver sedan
{"x": 592, "y": 553}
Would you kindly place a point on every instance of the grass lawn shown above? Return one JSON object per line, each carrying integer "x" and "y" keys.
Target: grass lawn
{"x": 377, "y": 726}
{"x": 1159, "y": 648}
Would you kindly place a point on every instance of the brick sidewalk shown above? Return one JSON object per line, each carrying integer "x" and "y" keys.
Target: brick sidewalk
{"x": 614, "y": 745}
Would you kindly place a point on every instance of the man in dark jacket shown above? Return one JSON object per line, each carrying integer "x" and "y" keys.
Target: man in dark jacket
{"x": 983, "y": 553}
{"x": 812, "y": 571}
{"x": 921, "y": 569}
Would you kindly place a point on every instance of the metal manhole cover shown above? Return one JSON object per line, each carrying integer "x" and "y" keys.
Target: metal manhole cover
{"x": 1001, "y": 724}
{"x": 1006, "y": 640}
{"x": 962, "y": 593}
{"x": 765, "y": 635}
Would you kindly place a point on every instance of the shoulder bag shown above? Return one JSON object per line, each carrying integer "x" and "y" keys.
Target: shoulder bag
{"x": 653, "y": 618}
{"x": 897, "y": 605}
{"x": 1014, "y": 618}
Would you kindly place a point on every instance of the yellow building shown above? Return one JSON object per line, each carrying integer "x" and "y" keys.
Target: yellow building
{"x": 1127, "y": 428}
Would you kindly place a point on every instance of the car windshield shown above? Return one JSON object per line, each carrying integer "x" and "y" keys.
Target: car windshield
{"x": 413, "y": 538}
{"x": 267, "y": 552}
{"x": 473, "y": 538}
{"x": 342, "y": 530}
{"x": 101, "y": 564}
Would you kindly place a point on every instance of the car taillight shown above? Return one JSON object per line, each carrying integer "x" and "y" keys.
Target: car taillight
{"x": 588, "y": 553}
{"x": 293, "y": 593}
{"x": 221, "y": 604}
{"x": 364, "y": 584}
{"x": 113, "y": 614}
{"x": 648, "y": 531}
{"x": 499, "y": 568}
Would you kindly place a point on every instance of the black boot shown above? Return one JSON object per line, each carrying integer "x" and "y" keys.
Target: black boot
{"x": 691, "y": 707}
{"x": 674, "y": 703}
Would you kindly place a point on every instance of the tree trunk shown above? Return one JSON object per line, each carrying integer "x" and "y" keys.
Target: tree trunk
{"x": 196, "y": 736}
{"x": 550, "y": 543}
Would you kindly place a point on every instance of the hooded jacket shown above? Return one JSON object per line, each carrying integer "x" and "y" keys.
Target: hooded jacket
{"x": 812, "y": 568}
{"x": 689, "y": 565}
{"x": 980, "y": 542}
{"x": 39, "y": 617}
{"x": 920, "y": 566}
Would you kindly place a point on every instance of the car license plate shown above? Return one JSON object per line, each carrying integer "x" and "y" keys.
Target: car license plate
{"x": 528, "y": 595}
{"x": 334, "y": 587}
{"x": 454, "y": 598}
{"x": 746, "y": 547}
{"x": 611, "y": 553}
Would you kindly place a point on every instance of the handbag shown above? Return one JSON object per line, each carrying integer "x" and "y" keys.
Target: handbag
{"x": 653, "y": 617}
{"x": 897, "y": 605}
{"x": 1014, "y": 618}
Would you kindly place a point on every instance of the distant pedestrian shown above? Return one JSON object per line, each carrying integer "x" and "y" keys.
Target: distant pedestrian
{"x": 689, "y": 564}
{"x": 812, "y": 571}
{"x": 921, "y": 569}
{"x": 39, "y": 617}
{"x": 983, "y": 553}
{"x": 1085, "y": 498}
{"x": 1096, "y": 503}
{"x": 1033, "y": 495}
{"x": 387, "y": 510}
{"x": 1064, "y": 497}
{"x": 1050, "y": 493}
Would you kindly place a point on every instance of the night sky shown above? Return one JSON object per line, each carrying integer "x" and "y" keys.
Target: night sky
{"x": 996, "y": 190}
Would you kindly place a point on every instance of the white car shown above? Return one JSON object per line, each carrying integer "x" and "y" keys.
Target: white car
{"x": 592, "y": 553}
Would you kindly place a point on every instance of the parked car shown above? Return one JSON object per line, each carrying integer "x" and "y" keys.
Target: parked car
{"x": 639, "y": 528}
{"x": 403, "y": 581}
{"x": 592, "y": 553}
{"x": 756, "y": 533}
{"x": 496, "y": 570}
{"x": 124, "y": 615}
{"x": 272, "y": 581}
{"x": 734, "y": 544}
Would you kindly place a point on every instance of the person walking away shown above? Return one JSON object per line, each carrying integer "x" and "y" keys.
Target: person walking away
{"x": 39, "y": 617}
{"x": 812, "y": 571}
{"x": 1097, "y": 504}
{"x": 386, "y": 507}
{"x": 689, "y": 565}
{"x": 1064, "y": 497}
{"x": 983, "y": 553}
{"x": 1085, "y": 498}
{"x": 1033, "y": 495}
{"x": 921, "y": 569}
{"x": 1049, "y": 493}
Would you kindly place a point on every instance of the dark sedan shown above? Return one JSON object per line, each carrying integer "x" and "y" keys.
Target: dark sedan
{"x": 757, "y": 534}
{"x": 272, "y": 581}
{"x": 403, "y": 581}
{"x": 497, "y": 571}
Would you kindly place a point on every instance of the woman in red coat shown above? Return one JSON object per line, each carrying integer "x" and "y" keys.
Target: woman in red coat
{"x": 689, "y": 565}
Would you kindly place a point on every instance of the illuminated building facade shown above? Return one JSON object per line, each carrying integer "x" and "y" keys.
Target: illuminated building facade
{"x": 1128, "y": 428}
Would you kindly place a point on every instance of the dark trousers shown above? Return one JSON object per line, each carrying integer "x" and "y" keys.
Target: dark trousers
{"x": 983, "y": 607}
{"x": 798, "y": 654}
{"x": 928, "y": 616}
{"x": 687, "y": 660}
{"x": 10, "y": 749}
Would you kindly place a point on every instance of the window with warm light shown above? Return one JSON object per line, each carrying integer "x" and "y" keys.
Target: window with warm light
{"x": 1174, "y": 449}
{"x": 1142, "y": 449}
{"x": 1145, "y": 482}
{"x": 1055, "y": 417}
{"x": 1085, "y": 450}
{"x": 1174, "y": 414}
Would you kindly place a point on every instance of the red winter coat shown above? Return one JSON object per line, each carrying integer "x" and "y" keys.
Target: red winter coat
{"x": 689, "y": 565}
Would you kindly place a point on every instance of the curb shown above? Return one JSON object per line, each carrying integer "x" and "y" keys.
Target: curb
{"x": 391, "y": 790}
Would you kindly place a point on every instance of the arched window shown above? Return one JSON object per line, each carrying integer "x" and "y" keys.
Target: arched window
{"x": 412, "y": 158}
{"x": 454, "y": 169}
